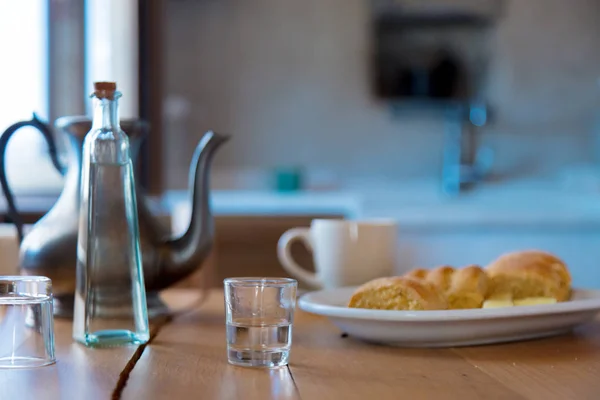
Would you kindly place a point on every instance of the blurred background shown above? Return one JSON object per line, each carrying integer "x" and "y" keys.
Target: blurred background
{"x": 474, "y": 123}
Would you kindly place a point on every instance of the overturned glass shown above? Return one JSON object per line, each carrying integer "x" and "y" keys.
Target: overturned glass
{"x": 26, "y": 322}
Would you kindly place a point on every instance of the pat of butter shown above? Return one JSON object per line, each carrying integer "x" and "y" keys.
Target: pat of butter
{"x": 534, "y": 301}
{"x": 497, "y": 303}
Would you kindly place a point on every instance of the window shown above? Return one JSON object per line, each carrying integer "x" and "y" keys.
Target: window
{"x": 112, "y": 49}
{"x": 54, "y": 50}
{"x": 24, "y": 72}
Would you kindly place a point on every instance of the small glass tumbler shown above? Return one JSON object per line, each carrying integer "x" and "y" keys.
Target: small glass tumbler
{"x": 26, "y": 322}
{"x": 259, "y": 317}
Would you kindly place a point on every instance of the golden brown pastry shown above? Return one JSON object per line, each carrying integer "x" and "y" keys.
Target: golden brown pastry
{"x": 418, "y": 273}
{"x": 441, "y": 277}
{"x": 398, "y": 293}
{"x": 529, "y": 273}
{"x": 463, "y": 287}
{"x": 468, "y": 289}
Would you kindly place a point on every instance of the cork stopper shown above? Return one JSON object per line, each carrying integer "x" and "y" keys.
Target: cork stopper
{"x": 105, "y": 90}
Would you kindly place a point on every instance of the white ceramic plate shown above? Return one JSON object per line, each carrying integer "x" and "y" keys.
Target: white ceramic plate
{"x": 453, "y": 327}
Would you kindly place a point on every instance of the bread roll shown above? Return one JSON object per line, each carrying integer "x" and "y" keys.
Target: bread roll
{"x": 462, "y": 288}
{"x": 530, "y": 273}
{"x": 468, "y": 289}
{"x": 397, "y": 293}
{"x": 441, "y": 277}
{"x": 418, "y": 273}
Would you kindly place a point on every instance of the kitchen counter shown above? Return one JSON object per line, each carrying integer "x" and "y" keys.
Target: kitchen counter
{"x": 412, "y": 204}
{"x": 186, "y": 358}
{"x": 417, "y": 204}
{"x": 473, "y": 228}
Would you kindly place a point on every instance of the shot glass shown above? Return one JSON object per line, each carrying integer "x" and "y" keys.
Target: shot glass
{"x": 259, "y": 317}
{"x": 26, "y": 322}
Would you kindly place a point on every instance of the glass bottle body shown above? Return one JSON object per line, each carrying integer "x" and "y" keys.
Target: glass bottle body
{"x": 110, "y": 298}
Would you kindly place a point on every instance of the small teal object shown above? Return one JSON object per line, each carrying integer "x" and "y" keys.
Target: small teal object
{"x": 288, "y": 179}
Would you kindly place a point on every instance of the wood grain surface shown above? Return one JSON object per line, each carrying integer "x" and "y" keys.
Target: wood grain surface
{"x": 563, "y": 367}
{"x": 187, "y": 359}
{"x": 79, "y": 373}
{"x": 326, "y": 365}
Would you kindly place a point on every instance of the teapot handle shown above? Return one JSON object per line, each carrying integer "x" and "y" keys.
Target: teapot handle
{"x": 36, "y": 123}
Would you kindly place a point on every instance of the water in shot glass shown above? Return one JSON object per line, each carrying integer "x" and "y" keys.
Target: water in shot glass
{"x": 259, "y": 317}
{"x": 26, "y": 322}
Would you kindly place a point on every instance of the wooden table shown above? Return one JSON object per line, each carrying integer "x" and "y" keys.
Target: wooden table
{"x": 185, "y": 359}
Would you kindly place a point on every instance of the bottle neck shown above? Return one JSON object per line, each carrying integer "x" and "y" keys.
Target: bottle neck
{"x": 106, "y": 114}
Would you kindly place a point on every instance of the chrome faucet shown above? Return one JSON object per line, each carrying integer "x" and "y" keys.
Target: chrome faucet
{"x": 464, "y": 162}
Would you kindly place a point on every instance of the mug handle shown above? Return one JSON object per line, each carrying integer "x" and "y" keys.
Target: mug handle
{"x": 284, "y": 253}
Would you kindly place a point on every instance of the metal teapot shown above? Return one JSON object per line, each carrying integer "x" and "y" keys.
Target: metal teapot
{"x": 49, "y": 248}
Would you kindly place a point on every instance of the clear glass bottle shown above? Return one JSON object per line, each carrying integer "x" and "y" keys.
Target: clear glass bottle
{"x": 110, "y": 297}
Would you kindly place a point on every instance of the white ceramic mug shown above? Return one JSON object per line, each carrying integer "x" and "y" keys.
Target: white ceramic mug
{"x": 345, "y": 253}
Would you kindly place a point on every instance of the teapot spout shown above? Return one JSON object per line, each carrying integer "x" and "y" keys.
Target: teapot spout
{"x": 187, "y": 252}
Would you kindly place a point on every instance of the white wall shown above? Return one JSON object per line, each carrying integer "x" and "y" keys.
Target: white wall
{"x": 289, "y": 80}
